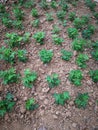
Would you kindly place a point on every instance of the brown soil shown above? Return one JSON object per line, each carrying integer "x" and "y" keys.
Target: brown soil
{"x": 54, "y": 117}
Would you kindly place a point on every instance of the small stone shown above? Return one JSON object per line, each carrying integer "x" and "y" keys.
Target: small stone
{"x": 25, "y": 98}
{"x": 90, "y": 103}
{"x": 71, "y": 103}
{"x": 57, "y": 113}
{"x": 55, "y": 117}
{"x": 46, "y": 101}
{"x": 22, "y": 109}
{"x": 42, "y": 128}
{"x": 68, "y": 114}
{"x": 45, "y": 90}
{"x": 74, "y": 125}
{"x": 41, "y": 97}
{"x": 42, "y": 112}
{"x": 75, "y": 53}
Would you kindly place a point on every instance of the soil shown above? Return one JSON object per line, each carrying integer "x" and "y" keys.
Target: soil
{"x": 50, "y": 115}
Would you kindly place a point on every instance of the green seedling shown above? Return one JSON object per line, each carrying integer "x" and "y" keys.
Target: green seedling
{"x": 29, "y": 78}
{"x": 57, "y": 40}
{"x": 72, "y": 16}
{"x": 78, "y": 44}
{"x": 7, "y": 54}
{"x": 22, "y": 55}
{"x": 19, "y": 14}
{"x": 46, "y": 55}
{"x": 72, "y": 33}
{"x": 53, "y": 4}
{"x": 94, "y": 75}
{"x": 75, "y": 76}
{"x": 56, "y": 29}
{"x": 81, "y": 100}
{"x": 90, "y": 4}
{"x": 61, "y": 98}
{"x": 39, "y": 37}
{"x": 53, "y": 80}
{"x": 66, "y": 55}
{"x": 31, "y": 104}
{"x": 81, "y": 60}
{"x": 36, "y": 23}
{"x": 44, "y": 4}
{"x": 49, "y": 17}
{"x": 9, "y": 76}
{"x": 7, "y": 104}
{"x": 61, "y": 14}
{"x": 34, "y": 13}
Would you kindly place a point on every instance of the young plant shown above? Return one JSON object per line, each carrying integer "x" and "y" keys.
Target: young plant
{"x": 49, "y": 17}
{"x": 78, "y": 44}
{"x": 18, "y": 24}
{"x": 9, "y": 76}
{"x": 29, "y": 4}
{"x": 34, "y": 13}
{"x": 96, "y": 15}
{"x": 53, "y": 80}
{"x": 81, "y": 100}
{"x": 22, "y": 55}
{"x": 61, "y": 14}
{"x": 36, "y": 23}
{"x": 19, "y": 14}
{"x": 7, "y": 104}
{"x": 46, "y": 55}
{"x": 79, "y": 23}
{"x": 57, "y": 40}
{"x": 2, "y": 8}
{"x": 29, "y": 78}
{"x": 75, "y": 76}
{"x": 90, "y": 4}
{"x": 43, "y": 4}
{"x": 95, "y": 54}
{"x": 31, "y": 104}
{"x": 94, "y": 75}
{"x": 7, "y": 22}
{"x": 81, "y": 60}
{"x": 26, "y": 37}
{"x": 13, "y": 39}
{"x": 56, "y": 29}
{"x": 53, "y": 4}
{"x": 87, "y": 33}
{"x": 7, "y": 54}
{"x": 61, "y": 98}
{"x": 72, "y": 16}
{"x": 72, "y": 33}
{"x": 39, "y": 37}
{"x": 64, "y": 5}
{"x": 66, "y": 55}
{"x": 64, "y": 23}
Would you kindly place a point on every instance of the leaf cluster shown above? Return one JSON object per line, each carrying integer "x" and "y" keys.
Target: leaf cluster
{"x": 66, "y": 55}
{"x": 7, "y": 104}
{"x": 75, "y": 76}
{"x": 57, "y": 40}
{"x": 9, "y": 76}
{"x": 31, "y": 104}
{"x": 72, "y": 33}
{"x": 81, "y": 100}
{"x": 29, "y": 78}
{"x": 46, "y": 55}
{"x": 81, "y": 60}
{"x": 53, "y": 80}
{"x": 94, "y": 75}
{"x": 39, "y": 37}
{"x": 61, "y": 98}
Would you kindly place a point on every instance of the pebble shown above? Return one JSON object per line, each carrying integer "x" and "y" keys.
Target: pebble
{"x": 55, "y": 117}
{"x": 22, "y": 109}
{"x": 68, "y": 114}
{"x": 46, "y": 101}
{"x": 74, "y": 125}
{"x": 45, "y": 90}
